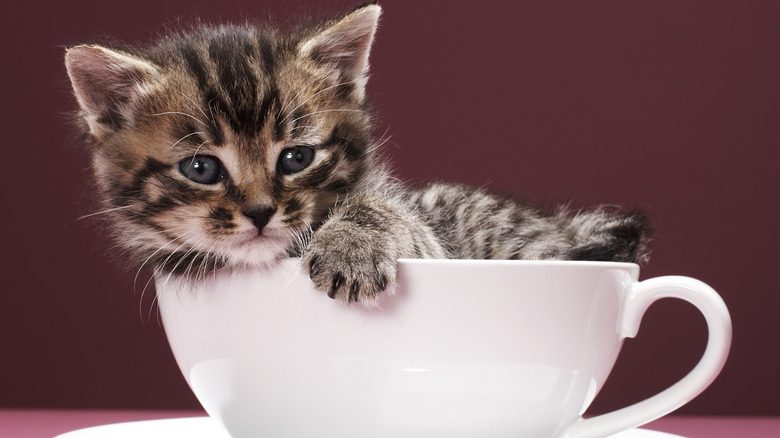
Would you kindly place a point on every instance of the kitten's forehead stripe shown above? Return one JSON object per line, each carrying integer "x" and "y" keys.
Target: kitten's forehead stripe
{"x": 211, "y": 99}
{"x": 239, "y": 83}
{"x": 269, "y": 102}
{"x": 235, "y": 69}
{"x": 195, "y": 66}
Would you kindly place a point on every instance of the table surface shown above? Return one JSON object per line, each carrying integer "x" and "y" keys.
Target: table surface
{"x": 24, "y": 423}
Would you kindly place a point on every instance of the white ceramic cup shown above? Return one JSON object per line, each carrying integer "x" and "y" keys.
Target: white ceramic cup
{"x": 477, "y": 348}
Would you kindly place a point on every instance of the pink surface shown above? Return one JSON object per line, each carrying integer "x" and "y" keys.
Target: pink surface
{"x": 49, "y": 423}
{"x": 719, "y": 427}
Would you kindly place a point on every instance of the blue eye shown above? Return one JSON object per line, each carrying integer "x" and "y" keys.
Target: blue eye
{"x": 294, "y": 160}
{"x": 203, "y": 169}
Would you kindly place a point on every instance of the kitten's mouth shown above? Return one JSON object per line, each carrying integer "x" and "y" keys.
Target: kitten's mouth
{"x": 250, "y": 249}
{"x": 257, "y": 238}
{"x": 270, "y": 239}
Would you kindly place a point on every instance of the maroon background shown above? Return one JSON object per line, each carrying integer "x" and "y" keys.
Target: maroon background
{"x": 667, "y": 105}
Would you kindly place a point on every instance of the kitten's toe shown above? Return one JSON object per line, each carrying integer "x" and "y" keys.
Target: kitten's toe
{"x": 357, "y": 280}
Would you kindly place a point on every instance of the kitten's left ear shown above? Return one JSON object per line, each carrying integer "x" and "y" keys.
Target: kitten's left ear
{"x": 345, "y": 45}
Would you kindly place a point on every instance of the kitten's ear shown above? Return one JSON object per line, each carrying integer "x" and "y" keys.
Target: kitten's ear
{"x": 345, "y": 44}
{"x": 107, "y": 84}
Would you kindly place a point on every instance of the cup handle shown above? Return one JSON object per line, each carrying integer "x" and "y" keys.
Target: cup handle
{"x": 641, "y": 296}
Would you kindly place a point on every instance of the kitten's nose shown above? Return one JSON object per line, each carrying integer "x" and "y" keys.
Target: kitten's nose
{"x": 260, "y": 216}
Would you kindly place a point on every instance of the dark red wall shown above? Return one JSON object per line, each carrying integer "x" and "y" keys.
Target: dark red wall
{"x": 672, "y": 106}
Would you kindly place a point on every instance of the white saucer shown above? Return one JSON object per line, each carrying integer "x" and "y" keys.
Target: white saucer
{"x": 205, "y": 427}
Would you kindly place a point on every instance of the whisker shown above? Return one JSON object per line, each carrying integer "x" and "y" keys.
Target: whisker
{"x": 198, "y": 253}
{"x": 382, "y": 141}
{"x": 307, "y": 234}
{"x": 181, "y": 114}
{"x": 204, "y": 263}
{"x": 304, "y": 88}
{"x": 110, "y": 210}
{"x": 198, "y": 275}
{"x": 211, "y": 111}
{"x": 189, "y": 267}
{"x": 172, "y": 270}
{"x": 302, "y": 237}
{"x": 325, "y": 111}
{"x": 215, "y": 268}
{"x": 303, "y": 127}
{"x": 151, "y": 309}
{"x": 158, "y": 268}
{"x": 184, "y": 275}
{"x": 289, "y": 113}
{"x": 297, "y": 239}
{"x": 143, "y": 293}
{"x": 195, "y": 155}
{"x": 140, "y": 268}
{"x": 188, "y": 135}
{"x": 197, "y": 106}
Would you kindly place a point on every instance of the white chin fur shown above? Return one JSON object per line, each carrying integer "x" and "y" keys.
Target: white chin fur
{"x": 257, "y": 251}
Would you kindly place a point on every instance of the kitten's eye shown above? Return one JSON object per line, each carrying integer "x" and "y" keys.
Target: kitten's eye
{"x": 203, "y": 169}
{"x": 294, "y": 160}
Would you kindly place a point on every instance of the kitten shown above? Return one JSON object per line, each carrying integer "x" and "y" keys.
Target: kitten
{"x": 236, "y": 146}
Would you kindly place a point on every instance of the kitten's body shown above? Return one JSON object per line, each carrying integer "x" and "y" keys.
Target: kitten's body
{"x": 234, "y": 147}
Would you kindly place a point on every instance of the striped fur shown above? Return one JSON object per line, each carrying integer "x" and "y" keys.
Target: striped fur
{"x": 236, "y": 146}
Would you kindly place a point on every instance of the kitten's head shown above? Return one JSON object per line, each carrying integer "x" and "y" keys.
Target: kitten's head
{"x": 223, "y": 146}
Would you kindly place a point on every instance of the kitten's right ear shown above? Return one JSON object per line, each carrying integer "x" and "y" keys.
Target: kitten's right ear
{"x": 344, "y": 45}
{"x": 107, "y": 84}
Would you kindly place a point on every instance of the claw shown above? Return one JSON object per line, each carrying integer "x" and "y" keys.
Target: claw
{"x": 314, "y": 264}
{"x": 382, "y": 283}
{"x": 354, "y": 291}
{"x": 338, "y": 281}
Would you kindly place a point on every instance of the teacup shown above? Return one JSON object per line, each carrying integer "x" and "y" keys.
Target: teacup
{"x": 463, "y": 349}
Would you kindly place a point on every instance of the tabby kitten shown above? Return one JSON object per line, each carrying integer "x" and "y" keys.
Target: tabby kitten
{"x": 233, "y": 147}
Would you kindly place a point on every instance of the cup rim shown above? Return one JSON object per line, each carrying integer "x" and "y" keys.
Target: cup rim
{"x": 498, "y": 262}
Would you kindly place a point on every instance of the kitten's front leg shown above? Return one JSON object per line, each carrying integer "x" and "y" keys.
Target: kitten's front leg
{"x": 352, "y": 256}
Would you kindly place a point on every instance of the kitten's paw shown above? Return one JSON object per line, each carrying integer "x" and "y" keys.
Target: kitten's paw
{"x": 350, "y": 266}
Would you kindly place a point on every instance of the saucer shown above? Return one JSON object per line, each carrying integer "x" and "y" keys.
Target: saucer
{"x": 191, "y": 427}
{"x": 205, "y": 427}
